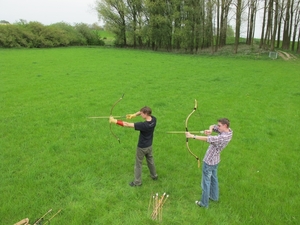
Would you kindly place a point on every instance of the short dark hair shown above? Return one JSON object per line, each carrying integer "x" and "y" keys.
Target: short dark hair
{"x": 224, "y": 121}
{"x": 146, "y": 110}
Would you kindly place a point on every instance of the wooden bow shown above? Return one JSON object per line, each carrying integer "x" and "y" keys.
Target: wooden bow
{"x": 186, "y": 128}
{"x": 111, "y": 114}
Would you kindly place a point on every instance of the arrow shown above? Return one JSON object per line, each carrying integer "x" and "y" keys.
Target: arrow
{"x": 105, "y": 117}
{"x": 182, "y": 132}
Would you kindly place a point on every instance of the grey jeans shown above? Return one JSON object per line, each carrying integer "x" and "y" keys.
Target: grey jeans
{"x": 140, "y": 153}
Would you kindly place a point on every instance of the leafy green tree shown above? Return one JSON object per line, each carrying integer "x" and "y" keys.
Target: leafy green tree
{"x": 12, "y": 36}
{"x": 37, "y": 29}
{"x": 6, "y": 39}
{"x": 4, "y": 22}
{"x": 135, "y": 20}
{"x": 68, "y": 35}
{"x": 113, "y": 13}
{"x": 90, "y": 36}
{"x": 160, "y": 23}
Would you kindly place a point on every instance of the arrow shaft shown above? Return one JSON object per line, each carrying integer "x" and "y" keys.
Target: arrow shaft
{"x": 182, "y": 132}
{"x": 105, "y": 117}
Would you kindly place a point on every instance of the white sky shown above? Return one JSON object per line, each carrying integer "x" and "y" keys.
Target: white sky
{"x": 49, "y": 11}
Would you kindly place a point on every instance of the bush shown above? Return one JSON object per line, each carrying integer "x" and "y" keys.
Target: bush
{"x": 91, "y": 36}
{"x": 36, "y": 35}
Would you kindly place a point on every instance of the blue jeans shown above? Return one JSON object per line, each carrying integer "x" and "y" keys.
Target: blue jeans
{"x": 209, "y": 184}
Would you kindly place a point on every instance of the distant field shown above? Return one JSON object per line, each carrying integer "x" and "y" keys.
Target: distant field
{"x": 54, "y": 156}
{"x": 107, "y": 36}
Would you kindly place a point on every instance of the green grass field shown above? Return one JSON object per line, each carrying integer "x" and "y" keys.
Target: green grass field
{"x": 54, "y": 156}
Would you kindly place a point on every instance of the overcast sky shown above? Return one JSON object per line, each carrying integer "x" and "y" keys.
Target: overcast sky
{"x": 49, "y": 11}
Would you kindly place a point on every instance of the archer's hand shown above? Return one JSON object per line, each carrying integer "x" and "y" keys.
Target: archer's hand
{"x": 188, "y": 135}
{"x": 130, "y": 116}
{"x": 207, "y": 132}
{"x": 112, "y": 120}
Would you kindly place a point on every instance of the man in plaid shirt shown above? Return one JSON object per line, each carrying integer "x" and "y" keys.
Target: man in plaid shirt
{"x": 209, "y": 183}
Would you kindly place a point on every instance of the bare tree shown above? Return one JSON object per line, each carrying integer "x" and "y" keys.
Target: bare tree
{"x": 269, "y": 18}
{"x": 196, "y": 24}
{"x": 225, "y": 6}
{"x": 252, "y": 10}
{"x": 275, "y": 27}
{"x": 263, "y": 25}
{"x": 296, "y": 24}
{"x": 218, "y": 25}
{"x": 208, "y": 38}
{"x": 280, "y": 18}
{"x": 298, "y": 47}
{"x": 286, "y": 37}
{"x": 238, "y": 24}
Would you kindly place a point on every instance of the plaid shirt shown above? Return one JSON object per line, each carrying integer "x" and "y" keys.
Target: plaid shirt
{"x": 217, "y": 144}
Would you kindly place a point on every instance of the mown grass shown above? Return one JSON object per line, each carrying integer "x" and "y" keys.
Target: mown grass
{"x": 54, "y": 156}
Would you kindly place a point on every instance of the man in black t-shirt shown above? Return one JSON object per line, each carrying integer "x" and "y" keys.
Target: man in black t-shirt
{"x": 144, "y": 146}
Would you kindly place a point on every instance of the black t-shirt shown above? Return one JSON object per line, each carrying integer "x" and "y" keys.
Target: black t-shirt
{"x": 146, "y": 129}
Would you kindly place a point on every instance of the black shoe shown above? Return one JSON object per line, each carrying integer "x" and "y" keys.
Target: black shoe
{"x": 155, "y": 178}
{"x": 132, "y": 184}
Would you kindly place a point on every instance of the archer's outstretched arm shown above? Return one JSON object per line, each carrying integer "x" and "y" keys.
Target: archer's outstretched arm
{"x": 130, "y": 116}
{"x": 120, "y": 122}
{"x": 200, "y": 138}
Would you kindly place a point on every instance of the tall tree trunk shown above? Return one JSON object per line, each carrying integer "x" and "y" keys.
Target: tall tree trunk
{"x": 274, "y": 26}
{"x": 298, "y": 45}
{"x": 132, "y": 6}
{"x": 209, "y": 26}
{"x": 296, "y": 23}
{"x": 263, "y": 26}
{"x": 248, "y": 22}
{"x": 238, "y": 24}
{"x": 200, "y": 35}
{"x": 279, "y": 24}
{"x": 268, "y": 34}
{"x": 291, "y": 19}
{"x": 224, "y": 21}
{"x": 286, "y": 28}
{"x": 218, "y": 26}
{"x": 123, "y": 31}
{"x": 134, "y": 28}
{"x": 251, "y": 21}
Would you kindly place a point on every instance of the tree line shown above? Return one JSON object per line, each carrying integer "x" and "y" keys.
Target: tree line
{"x": 37, "y": 35}
{"x": 191, "y": 25}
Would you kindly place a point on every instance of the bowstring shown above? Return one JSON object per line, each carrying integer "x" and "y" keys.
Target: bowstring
{"x": 200, "y": 117}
